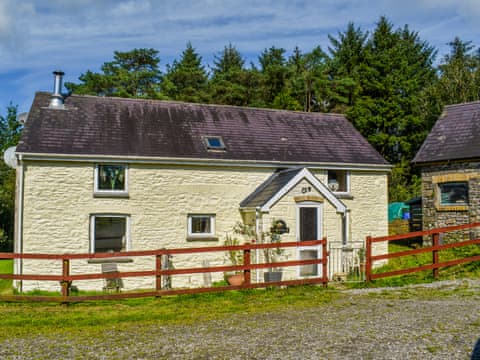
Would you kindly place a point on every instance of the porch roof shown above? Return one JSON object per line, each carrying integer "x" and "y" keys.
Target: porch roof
{"x": 280, "y": 183}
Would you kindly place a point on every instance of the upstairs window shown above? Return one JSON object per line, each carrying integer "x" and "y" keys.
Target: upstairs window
{"x": 111, "y": 179}
{"x": 338, "y": 180}
{"x": 214, "y": 143}
{"x": 453, "y": 193}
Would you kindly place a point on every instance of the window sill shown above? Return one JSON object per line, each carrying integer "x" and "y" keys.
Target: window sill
{"x": 111, "y": 194}
{"x": 202, "y": 238}
{"x": 343, "y": 195}
{"x": 110, "y": 260}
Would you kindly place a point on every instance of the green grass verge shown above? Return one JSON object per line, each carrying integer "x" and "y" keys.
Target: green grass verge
{"x": 6, "y": 267}
{"x": 28, "y": 319}
{"x": 468, "y": 270}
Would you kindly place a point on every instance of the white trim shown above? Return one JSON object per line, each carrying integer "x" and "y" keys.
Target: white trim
{"x": 317, "y": 184}
{"x": 203, "y": 162}
{"x": 97, "y": 191}
{"x": 127, "y": 230}
{"x": 319, "y": 207}
{"x": 201, "y": 235}
{"x": 18, "y": 245}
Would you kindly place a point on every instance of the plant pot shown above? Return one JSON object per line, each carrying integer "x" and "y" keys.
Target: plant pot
{"x": 235, "y": 280}
{"x": 272, "y": 276}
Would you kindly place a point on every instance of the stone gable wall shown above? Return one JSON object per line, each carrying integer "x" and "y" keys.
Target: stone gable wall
{"x": 437, "y": 216}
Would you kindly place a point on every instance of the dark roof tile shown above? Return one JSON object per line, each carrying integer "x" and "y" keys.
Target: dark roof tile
{"x": 92, "y": 125}
{"x": 455, "y": 135}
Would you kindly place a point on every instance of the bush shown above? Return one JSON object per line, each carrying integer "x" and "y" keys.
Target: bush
{"x": 6, "y": 244}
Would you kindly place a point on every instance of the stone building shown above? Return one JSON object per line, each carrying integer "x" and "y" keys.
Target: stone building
{"x": 100, "y": 174}
{"x": 450, "y": 165}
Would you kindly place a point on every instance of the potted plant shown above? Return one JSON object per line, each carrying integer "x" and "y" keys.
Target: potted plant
{"x": 235, "y": 257}
{"x": 272, "y": 255}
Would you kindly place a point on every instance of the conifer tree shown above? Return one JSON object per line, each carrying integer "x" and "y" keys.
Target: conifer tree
{"x": 133, "y": 73}
{"x": 186, "y": 79}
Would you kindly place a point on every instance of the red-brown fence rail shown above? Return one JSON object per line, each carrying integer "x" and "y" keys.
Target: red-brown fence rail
{"x": 161, "y": 269}
{"x": 435, "y": 264}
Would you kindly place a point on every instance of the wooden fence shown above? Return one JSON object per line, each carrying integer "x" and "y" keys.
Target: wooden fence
{"x": 162, "y": 270}
{"x": 435, "y": 264}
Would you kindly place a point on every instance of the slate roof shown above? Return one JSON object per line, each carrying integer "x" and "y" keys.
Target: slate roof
{"x": 269, "y": 188}
{"x": 92, "y": 125}
{"x": 455, "y": 135}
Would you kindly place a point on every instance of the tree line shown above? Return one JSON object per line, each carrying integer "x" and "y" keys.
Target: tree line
{"x": 385, "y": 81}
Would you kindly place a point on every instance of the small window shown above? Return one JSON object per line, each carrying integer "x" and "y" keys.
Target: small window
{"x": 111, "y": 178}
{"x": 201, "y": 225}
{"x": 338, "y": 180}
{"x": 453, "y": 193}
{"x": 109, "y": 233}
{"x": 214, "y": 143}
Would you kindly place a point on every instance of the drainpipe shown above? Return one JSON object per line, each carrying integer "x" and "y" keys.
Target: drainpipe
{"x": 19, "y": 230}
{"x": 258, "y": 233}
{"x": 345, "y": 227}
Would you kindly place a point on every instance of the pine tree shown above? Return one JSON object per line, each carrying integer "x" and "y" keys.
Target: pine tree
{"x": 131, "y": 74}
{"x": 10, "y": 130}
{"x": 273, "y": 70}
{"x": 186, "y": 79}
{"x": 347, "y": 54}
{"x": 387, "y": 111}
{"x": 459, "y": 74}
{"x": 228, "y": 84}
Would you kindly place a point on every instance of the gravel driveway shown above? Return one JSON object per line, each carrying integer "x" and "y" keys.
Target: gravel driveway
{"x": 360, "y": 324}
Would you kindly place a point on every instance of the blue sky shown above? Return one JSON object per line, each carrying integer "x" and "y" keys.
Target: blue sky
{"x": 37, "y": 37}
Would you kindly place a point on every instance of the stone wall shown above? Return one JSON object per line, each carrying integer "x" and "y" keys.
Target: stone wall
{"x": 435, "y": 215}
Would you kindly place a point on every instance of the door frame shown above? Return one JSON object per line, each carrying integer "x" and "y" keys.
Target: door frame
{"x": 319, "y": 207}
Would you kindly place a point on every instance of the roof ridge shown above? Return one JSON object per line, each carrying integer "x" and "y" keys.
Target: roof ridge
{"x": 173, "y": 102}
{"x": 464, "y": 103}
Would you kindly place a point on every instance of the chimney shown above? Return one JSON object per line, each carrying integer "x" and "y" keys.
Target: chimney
{"x": 56, "y": 100}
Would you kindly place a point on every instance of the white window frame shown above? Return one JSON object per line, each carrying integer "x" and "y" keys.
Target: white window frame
{"x": 201, "y": 235}
{"x": 319, "y": 207}
{"x": 104, "y": 192}
{"x": 92, "y": 229}
{"x": 347, "y": 182}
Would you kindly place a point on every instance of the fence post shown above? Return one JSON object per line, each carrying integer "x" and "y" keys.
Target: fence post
{"x": 247, "y": 261}
{"x": 325, "y": 262}
{"x": 436, "y": 242}
{"x": 65, "y": 273}
{"x": 368, "y": 259}
{"x": 158, "y": 268}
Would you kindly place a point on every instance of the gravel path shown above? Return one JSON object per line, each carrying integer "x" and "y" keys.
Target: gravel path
{"x": 360, "y": 324}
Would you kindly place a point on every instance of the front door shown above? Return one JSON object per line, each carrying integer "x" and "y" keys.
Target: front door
{"x": 309, "y": 228}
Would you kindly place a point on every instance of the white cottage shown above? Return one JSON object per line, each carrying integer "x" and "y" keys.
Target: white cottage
{"x": 100, "y": 174}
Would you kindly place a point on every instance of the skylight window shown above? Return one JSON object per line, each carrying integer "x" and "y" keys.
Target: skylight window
{"x": 214, "y": 143}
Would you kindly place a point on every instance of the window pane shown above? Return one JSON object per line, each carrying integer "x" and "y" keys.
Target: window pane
{"x": 308, "y": 223}
{"x": 454, "y": 193}
{"x": 337, "y": 180}
{"x": 201, "y": 225}
{"x": 308, "y": 270}
{"x": 111, "y": 177}
{"x": 110, "y": 233}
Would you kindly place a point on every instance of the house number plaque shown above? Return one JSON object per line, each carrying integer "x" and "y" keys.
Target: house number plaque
{"x": 306, "y": 189}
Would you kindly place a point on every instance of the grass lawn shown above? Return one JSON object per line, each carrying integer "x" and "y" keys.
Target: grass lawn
{"x": 468, "y": 270}
{"x": 6, "y": 267}
{"x": 28, "y": 319}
